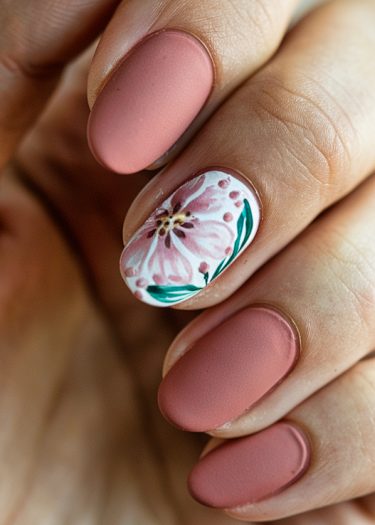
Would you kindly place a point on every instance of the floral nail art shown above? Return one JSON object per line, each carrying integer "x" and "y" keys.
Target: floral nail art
{"x": 190, "y": 239}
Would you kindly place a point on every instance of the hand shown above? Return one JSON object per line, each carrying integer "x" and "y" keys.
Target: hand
{"x": 76, "y": 327}
{"x": 81, "y": 438}
{"x": 300, "y": 131}
{"x": 288, "y": 355}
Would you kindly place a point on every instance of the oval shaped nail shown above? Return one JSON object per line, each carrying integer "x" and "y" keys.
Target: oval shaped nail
{"x": 251, "y": 469}
{"x": 150, "y": 100}
{"x": 191, "y": 238}
{"x": 229, "y": 369}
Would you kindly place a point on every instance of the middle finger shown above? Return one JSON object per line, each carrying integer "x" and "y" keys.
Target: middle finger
{"x": 300, "y": 131}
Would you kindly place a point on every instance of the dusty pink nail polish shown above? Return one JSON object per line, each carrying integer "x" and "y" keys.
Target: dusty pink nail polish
{"x": 229, "y": 369}
{"x": 150, "y": 100}
{"x": 250, "y": 469}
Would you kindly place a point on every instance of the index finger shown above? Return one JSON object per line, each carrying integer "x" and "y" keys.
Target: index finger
{"x": 160, "y": 71}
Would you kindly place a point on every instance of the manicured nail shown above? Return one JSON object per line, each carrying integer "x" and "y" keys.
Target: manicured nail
{"x": 229, "y": 369}
{"x": 150, "y": 100}
{"x": 250, "y": 469}
{"x": 191, "y": 238}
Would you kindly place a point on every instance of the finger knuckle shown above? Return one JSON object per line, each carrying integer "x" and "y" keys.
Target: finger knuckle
{"x": 311, "y": 129}
{"x": 353, "y": 275}
{"x": 29, "y": 44}
{"x": 15, "y": 66}
{"x": 362, "y": 379}
{"x": 359, "y": 417}
{"x": 261, "y": 18}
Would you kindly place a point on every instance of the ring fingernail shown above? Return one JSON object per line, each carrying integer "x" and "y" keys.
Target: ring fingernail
{"x": 250, "y": 469}
{"x": 193, "y": 236}
{"x": 229, "y": 369}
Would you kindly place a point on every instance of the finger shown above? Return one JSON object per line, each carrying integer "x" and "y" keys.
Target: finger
{"x": 43, "y": 306}
{"x": 158, "y": 65}
{"x": 345, "y": 513}
{"x": 299, "y": 323}
{"x": 36, "y": 40}
{"x": 57, "y": 386}
{"x": 52, "y": 161}
{"x": 292, "y": 131}
{"x": 337, "y": 464}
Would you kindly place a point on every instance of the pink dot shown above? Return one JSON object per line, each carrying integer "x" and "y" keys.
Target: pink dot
{"x": 130, "y": 272}
{"x": 158, "y": 279}
{"x": 141, "y": 283}
{"x": 234, "y": 195}
{"x": 223, "y": 183}
{"x": 228, "y": 250}
{"x": 138, "y": 295}
{"x": 238, "y": 204}
{"x": 175, "y": 278}
{"x": 228, "y": 217}
{"x": 204, "y": 267}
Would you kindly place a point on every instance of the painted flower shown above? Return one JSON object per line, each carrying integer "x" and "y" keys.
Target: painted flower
{"x": 188, "y": 227}
{"x": 191, "y": 238}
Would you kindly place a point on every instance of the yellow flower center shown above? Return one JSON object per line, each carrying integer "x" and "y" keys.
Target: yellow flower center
{"x": 167, "y": 222}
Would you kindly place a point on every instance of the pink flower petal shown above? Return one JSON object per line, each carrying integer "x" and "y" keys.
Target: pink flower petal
{"x": 169, "y": 265}
{"x": 184, "y": 194}
{"x": 137, "y": 249}
{"x": 212, "y": 200}
{"x": 208, "y": 239}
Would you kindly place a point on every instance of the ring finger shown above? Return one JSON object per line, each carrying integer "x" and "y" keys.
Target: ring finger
{"x": 301, "y": 321}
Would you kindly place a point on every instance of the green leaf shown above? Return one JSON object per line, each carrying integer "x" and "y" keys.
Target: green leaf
{"x": 171, "y": 294}
{"x": 244, "y": 220}
{"x": 218, "y": 269}
{"x": 249, "y": 222}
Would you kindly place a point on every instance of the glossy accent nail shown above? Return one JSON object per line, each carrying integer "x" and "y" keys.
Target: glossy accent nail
{"x": 229, "y": 369}
{"x": 150, "y": 100}
{"x": 191, "y": 238}
{"x": 250, "y": 469}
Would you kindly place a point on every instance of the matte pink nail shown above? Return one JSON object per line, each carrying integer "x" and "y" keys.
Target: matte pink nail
{"x": 150, "y": 100}
{"x": 250, "y": 469}
{"x": 230, "y": 369}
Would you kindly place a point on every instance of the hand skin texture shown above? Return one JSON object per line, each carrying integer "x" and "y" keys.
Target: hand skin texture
{"x": 82, "y": 440}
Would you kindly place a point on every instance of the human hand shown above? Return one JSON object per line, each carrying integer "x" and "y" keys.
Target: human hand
{"x": 81, "y": 437}
{"x": 307, "y": 122}
{"x": 38, "y": 168}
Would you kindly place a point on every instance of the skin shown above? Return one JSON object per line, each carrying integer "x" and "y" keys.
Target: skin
{"x": 77, "y": 402}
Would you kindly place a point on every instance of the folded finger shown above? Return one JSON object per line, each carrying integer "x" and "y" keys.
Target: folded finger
{"x": 36, "y": 39}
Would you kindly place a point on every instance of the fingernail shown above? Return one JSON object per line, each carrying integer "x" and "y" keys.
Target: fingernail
{"x": 150, "y": 100}
{"x": 229, "y": 369}
{"x": 247, "y": 470}
{"x": 193, "y": 236}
